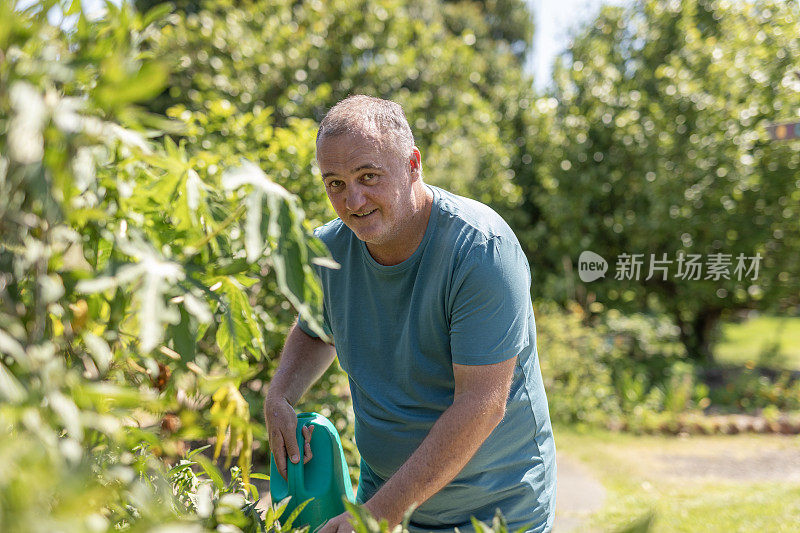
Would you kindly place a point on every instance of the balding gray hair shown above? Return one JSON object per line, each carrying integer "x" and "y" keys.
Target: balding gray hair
{"x": 381, "y": 120}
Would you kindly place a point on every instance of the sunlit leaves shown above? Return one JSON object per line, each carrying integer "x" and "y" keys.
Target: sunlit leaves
{"x": 230, "y": 411}
{"x": 153, "y": 277}
{"x": 124, "y": 258}
{"x": 282, "y": 231}
{"x": 658, "y": 145}
{"x": 239, "y": 333}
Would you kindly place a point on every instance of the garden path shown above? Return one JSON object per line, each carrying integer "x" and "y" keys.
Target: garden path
{"x": 578, "y": 494}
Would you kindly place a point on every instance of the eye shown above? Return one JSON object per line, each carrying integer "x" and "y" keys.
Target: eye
{"x": 369, "y": 176}
{"x": 334, "y": 184}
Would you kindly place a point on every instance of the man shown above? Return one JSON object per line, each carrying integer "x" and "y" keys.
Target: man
{"x": 432, "y": 320}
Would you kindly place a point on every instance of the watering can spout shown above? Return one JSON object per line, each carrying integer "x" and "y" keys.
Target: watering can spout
{"x": 324, "y": 480}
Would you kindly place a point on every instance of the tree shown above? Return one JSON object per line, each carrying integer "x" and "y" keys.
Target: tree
{"x": 656, "y": 144}
{"x": 506, "y": 20}
{"x": 460, "y": 87}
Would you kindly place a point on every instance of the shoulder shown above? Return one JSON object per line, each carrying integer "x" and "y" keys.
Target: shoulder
{"x": 333, "y": 232}
{"x": 485, "y": 250}
{"x": 473, "y": 227}
{"x": 338, "y": 239}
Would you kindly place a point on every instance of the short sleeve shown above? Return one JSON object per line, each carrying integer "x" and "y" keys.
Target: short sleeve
{"x": 308, "y": 331}
{"x": 490, "y": 304}
{"x": 326, "y": 325}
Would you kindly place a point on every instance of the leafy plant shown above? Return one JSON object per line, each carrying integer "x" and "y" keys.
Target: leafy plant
{"x": 128, "y": 270}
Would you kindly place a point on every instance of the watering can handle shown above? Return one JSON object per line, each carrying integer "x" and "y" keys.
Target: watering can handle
{"x": 294, "y": 472}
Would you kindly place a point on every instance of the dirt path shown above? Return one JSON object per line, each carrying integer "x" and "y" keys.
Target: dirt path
{"x": 656, "y": 459}
{"x": 745, "y": 458}
{"x": 578, "y": 494}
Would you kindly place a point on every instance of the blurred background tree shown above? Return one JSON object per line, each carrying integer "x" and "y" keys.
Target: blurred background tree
{"x": 461, "y": 88}
{"x": 655, "y": 143}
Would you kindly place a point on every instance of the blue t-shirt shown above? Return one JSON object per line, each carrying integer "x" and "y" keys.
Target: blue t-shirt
{"x": 462, "y": 297}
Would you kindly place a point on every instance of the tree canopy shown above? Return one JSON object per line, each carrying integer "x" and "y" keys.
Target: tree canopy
{"x": 461, "y": 88}
{"x": 656, "y": 143}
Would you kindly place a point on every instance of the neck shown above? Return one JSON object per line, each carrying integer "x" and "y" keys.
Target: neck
{"x": 406, "y": 243}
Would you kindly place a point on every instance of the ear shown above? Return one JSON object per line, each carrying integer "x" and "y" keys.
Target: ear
{"x": 415, "y": 164}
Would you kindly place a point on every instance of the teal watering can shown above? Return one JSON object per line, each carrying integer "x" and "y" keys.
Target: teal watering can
{"x": 325, "y": 479}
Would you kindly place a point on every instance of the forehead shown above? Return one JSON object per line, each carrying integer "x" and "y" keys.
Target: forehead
{"x": 349, "y": 151}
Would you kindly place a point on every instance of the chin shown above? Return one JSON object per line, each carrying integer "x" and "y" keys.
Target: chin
{"x": 366, "y": 233}
{"x": 368, "y": 237}
{"x": 371, "y": 237}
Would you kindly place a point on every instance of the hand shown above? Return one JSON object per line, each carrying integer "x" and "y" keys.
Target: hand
{"x": 282, "y": 429}
{"x": 338, "y": 524}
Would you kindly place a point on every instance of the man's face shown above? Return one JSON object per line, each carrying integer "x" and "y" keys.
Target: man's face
{"x": 370, "y": 187}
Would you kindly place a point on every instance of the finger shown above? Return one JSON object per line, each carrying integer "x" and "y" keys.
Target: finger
{"x": 279, "y": 453}
{"x": 292, "y": 450}
{"x": 308, "y": 431}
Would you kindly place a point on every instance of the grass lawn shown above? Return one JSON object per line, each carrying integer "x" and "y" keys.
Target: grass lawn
{"x": 693, "y": 484}
{"x": 754, "y": 340}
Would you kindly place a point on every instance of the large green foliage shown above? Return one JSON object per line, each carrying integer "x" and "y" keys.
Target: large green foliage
{"x": 128, "y": 267}
{"x": 655, "y": 143}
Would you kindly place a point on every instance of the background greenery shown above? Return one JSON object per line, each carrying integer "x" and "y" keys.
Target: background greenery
{"x": 158, "y": 190}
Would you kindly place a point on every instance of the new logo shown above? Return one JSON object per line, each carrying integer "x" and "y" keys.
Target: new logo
{"x": 591, "y": 266}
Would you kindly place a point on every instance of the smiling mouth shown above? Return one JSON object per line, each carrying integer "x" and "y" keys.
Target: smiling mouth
{"x": 362, "y": 215}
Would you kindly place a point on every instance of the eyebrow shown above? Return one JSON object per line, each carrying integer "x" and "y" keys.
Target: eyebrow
{"x": 368, "y": 166}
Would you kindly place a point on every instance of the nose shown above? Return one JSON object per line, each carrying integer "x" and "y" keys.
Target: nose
{"x": 355, "y": 198}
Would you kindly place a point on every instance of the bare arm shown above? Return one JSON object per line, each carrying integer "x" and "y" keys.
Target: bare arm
{"x": 478, "y": 406}
{"x": 303, "y": 360}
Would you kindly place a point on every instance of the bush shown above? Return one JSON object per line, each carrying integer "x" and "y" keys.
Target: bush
{"x": 128, "y": 265}
{"x": 574, "y": 360}
{"x": 630, "y": 371}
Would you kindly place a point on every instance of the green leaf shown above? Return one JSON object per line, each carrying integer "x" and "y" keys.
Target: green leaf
{"x": 147, "y": 83}
{"x": 74, "y": 8}
{"x": 213, "y": 472}
{"x": 98, "y": 348}
{"x": 228, "y": 342}
{"x": 226, "y": 266}
{"x": 156, "y": 13}
{"x": 256, "y": 475}
{"x": 239, "y": 330}
{"x": 287, "y": 525}
{"x": 180, "y": 467}
{"x": 253, "y": 241}
{"x": 197, "y": 450}
{"x": 280, "y": 507}
{"x": 183, "y": 339}
{"x": 68, "y": 412}
{"x": 10, "y": 388}
{"x": 296, "y": 279}
{"x": 12, "y": 347}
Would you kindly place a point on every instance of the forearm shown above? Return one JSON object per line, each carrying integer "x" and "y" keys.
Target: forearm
{"x": 303, "y": 360}
{"x": 448, "y": 447}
